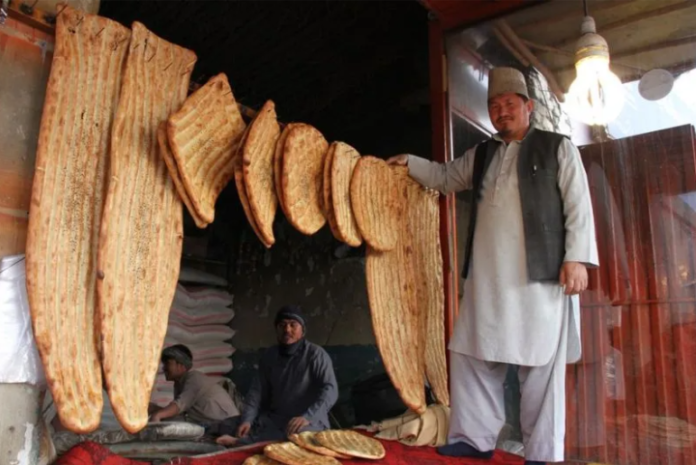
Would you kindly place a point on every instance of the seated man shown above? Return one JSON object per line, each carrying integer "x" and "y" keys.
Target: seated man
{"x": 197, "y": 397}
{"x": 293, "y": 391}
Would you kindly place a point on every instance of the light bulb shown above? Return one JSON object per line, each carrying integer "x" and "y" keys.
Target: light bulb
{"x": 597, "y": 95}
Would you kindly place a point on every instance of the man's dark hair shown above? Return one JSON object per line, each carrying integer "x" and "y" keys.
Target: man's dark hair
{"x": 180, "y": 354}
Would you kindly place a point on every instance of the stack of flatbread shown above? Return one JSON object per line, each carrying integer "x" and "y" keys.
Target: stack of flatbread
{"x": 399, "y": 220}
{"x": 253, "y": 173}
{"x": 202, "y": 140}
{"x": 299, "y": 175}
{"x": 323, "y": 448}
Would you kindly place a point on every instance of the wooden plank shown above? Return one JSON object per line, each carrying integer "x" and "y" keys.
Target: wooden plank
{"x": 456, "y": 13}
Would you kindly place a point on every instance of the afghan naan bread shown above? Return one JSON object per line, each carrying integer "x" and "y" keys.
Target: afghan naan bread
{"x": 352, "y": 444}
{"x": 168, "y": 157}
{"x": 142, "y": 227}
{"x": 307, "y": 441}
{"x": 242, "y": 192}
{"x": 66, "y": 210}
{"x": 290, "y": 454}
{"x": 375, "y": 198}
{"x": 343, "y": 163}
{"x": 204, "y": 135}
{"x": 392, "y": 293}
{"x": 326, "y": 187}
{"x": 257, "y": 162}
{"x": 302, "y": 176}
{"x": 423, "y": 215}
{"x": 278, "y": 164}
{"x": 260, "y": 460}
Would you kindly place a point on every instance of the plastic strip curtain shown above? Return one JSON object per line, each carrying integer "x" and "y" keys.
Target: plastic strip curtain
{"x": 632, "y": 397}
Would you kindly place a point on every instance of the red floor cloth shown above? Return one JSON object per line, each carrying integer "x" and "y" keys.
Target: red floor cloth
{"x": 89, "y": 453}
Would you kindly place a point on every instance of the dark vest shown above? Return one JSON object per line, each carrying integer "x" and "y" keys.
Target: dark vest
{"x": 540, "y": 197}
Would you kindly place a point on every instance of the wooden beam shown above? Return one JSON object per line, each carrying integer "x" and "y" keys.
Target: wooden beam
{"x": 454, "y": 14}
{"x": 567, "y": 53}
{"x": 511, "y": 48}
{"x": 601, "y": 29}
{"x": 32, "y": 16}
{"x": 676, "y": 70}
{"x": 645, "y": 49}
{"x": 654, "y": 47}
{"x": 524, "y": 50}
{"x": 440, "y": 118}
{"x": 554, "y": 18}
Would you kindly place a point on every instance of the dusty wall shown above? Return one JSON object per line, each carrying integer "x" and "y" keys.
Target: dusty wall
{"x": 25, "y": 57}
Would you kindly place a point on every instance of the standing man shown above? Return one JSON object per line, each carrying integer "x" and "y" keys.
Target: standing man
{"x": 531, "y": 239}
{"x": 293, "y": 391}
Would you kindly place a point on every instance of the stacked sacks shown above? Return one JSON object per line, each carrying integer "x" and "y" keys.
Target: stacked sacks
{"x": 199, "y": 318}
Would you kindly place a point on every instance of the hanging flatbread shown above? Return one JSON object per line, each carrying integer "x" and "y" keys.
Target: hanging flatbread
{"x": 257, "y": 161}
{"x": 307, "y": 441}
{"x": 396, "y": 321}
{"x": 142, "y": 226}
{"x": 423, "y": 216}
{"x": 326, "y": 187}
{"x": 168, "y": 157}
{"x": 278, "y": 164}
{"x": 343, "y": 163}
{"x": 374, "y": 198}
{"x": 66, "y": 210}
{"x": 290, "y": 454}
{"x": 260, "y": 460}
{"x": 242, "y": 192}
{"x": 302, "y": 176}
{"x": 204, "y": 135}
{"x": 352, "y": 443}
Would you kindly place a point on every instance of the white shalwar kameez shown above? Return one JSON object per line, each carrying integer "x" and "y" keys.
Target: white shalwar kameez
{"x": 506, "y": 319}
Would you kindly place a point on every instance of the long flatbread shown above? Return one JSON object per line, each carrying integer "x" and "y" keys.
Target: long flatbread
{"x": 66, "y": 210}
{"x": 142, "y": 230}
{"x": 392, "y": 293}
{"x": 307, "y": 440}
{"x": 374, "y": 198}
{"x": 278, "y": 164}
{"x": 326, "y": 187}
{"x": 168, "y": 157}
{"x": 244, "y": 200}
{"x": 257, "y": 162}
{"x": 242, "y": 192}
{"x": 204, "y": 135}
{"x": 290, "y": 454}
{"x": 423, "y": 215}
{"x": 302, "y": 176}
{"x": 352, "y": 443}
{"x": 343, "y": 163}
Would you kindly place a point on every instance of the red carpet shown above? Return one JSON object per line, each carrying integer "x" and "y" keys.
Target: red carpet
{"x": 89, "y": 453}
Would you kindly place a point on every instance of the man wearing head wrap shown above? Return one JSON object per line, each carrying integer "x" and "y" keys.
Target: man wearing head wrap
{"x": 293, "y": 391}
{"x": 531, "y": 239}
{"x": 197, "y": 397}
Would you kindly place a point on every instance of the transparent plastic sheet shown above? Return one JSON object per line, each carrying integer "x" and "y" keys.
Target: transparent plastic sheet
{"x": 19, "y": 358}
{"x": 631, "y": 399}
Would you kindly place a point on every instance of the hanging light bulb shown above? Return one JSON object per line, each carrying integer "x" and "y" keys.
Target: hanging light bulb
{"x": 597, "y": 95}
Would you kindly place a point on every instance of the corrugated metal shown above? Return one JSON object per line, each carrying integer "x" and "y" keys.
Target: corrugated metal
{"x": 25, "y": 54}
{"x": 632, "y": 398}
